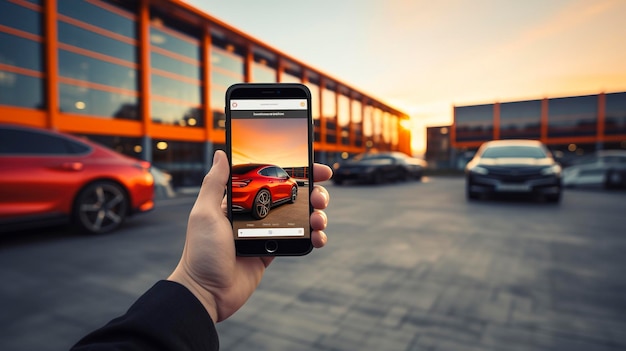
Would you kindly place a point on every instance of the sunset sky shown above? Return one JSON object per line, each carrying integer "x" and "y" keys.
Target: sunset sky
{"x": 424, "y": 57}
{"x": 280, "y": 141}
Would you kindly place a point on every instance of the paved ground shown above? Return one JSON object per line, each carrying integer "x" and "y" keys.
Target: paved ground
{"x": 408, "y": 267}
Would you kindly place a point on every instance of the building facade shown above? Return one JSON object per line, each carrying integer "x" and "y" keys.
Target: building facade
{"x": 148, "y": 78}
{"x": 569, "y": 126}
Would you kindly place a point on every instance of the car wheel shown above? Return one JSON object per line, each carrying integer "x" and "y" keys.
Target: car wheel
{"x": 294, "y": 194}
{"x": 262, "y": 204}
{"x": 100, "y": 207}
{"x": 612, "y": 179}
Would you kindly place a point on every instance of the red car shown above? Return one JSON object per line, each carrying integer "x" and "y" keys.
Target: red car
{"x": 48, "y": 177}
{"x": 258, "y": 187}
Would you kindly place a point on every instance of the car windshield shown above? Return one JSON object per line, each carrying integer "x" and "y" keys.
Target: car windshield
{"x": 514, "y": 152}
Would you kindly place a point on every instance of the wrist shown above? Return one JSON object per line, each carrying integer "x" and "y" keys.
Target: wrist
{"x": 205, "y": 297}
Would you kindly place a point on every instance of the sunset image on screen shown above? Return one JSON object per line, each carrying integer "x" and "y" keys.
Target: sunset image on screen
{"x": 282, "y": 142}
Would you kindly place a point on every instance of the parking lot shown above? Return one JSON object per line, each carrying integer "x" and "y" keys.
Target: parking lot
{"x": 408, "y": 266}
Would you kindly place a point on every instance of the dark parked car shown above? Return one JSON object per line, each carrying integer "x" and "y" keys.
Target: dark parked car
{"x": 379, "y": 167}
{"x": 513, "y": 166}
{"x": 48, "y": 177}
{"x": 257, "y": 188}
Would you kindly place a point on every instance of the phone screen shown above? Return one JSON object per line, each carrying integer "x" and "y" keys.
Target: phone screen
{"x": 270, "y": 153}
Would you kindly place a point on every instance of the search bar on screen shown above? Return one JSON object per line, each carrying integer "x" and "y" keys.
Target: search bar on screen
{"x": 268, "y": 104}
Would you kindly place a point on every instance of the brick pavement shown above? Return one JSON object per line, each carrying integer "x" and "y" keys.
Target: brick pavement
{"x": 439, "y": 273}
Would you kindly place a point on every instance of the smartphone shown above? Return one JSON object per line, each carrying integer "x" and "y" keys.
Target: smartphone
{"x": 269, "y": 142}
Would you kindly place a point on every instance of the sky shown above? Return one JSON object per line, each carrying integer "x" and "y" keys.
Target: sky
{"x": 275, "y": 141}
{"x": 424, "y": 57}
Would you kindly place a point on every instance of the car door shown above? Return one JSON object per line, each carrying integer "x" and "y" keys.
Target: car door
{"x": 38, "y": 172}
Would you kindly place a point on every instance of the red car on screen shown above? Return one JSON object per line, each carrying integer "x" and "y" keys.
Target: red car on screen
{"x": 49, "y": 178}
{"x": 258, "y": 187}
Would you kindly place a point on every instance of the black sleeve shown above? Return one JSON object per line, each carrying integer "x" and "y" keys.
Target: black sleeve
{"x": 166, "y": 317}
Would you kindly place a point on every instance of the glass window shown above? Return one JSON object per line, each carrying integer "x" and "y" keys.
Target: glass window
{"x": 176, "y": 66}
{"x": 378, "y": 124}
{"x": 292, "y": 73}
{"x": 21, "y": 90}
{"x": 175, "y": 89}
{"x": 226, "y": 69}
{"x": 176, "y": 85}
{"x": 93, "y": 14}
{"x": 82, "y": 38}
{"x": 395, "y": 121}
{"x": 386, "y": 127}
{"x": 368, "y": 119}
{"x": 263, "y": 66}
{"x": 15, "y": 16}
{"x": 82, "y": 100}
{"x": 357, "y": 121}
{"x": 329, "y": 112}
{"x": 474, "y": 123}
{"x": 615, "y": 119}
{"x": 573, "y": 116}
{"x": 520, "y": 120}
{"x": 183, "y": 160}
{"x": 176, "y": 114}
{"x": 75, "y": 66}
{"x": 188, "y": 47}
{"x": 24, "y": 53}
{"x": 313, "y": 85}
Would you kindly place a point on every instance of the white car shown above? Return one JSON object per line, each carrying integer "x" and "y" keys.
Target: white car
{"x": 604, "y": 168}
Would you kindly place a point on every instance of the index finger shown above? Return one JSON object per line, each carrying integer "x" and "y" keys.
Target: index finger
{"x": 321, "y": 172}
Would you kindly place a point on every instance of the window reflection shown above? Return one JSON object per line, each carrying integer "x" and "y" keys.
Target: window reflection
{"x": 314, "y": 88}
{"x": 263, "y": 66}
{"x": 97, "y": 67}
{"x": 357, "y": 122}
{"x": 93, "y": 102}
{"x": 474, "y": 123}
{"x": 520, "y": 120}
{"x": 120, "y": 23}
{"x": 176, "y": 78}
{"x": 21, "y": 90}
{"x": 227, "y": 68}
{"x": 615, "y": 120}
{"x": 21, "y": 75}
{"x": 75, "y": 66}
{"x": 329, "y": 112}
{"x": 573, "y": 116}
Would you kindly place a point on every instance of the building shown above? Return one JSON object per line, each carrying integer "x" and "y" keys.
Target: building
{"x": 148, "y": 78}
{"x": 438, "y": 147}
{"x": 569, "y": 126}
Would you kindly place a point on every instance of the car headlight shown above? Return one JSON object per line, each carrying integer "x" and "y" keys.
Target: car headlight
{"x": 554, "y": 169}
{"x": 479, "y": 170}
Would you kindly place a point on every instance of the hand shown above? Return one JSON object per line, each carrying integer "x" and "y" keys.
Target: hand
{"x": 209, "y": 267}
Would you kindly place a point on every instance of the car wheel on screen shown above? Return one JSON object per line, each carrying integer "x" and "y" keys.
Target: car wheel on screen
{"x": 294, "y": 194}
{"x": 100, "y": 207}
{"x": 262, "y": 204}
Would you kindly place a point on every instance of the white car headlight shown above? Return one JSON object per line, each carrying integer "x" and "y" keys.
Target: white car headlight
{"x": 479, "y": 170}
{"x": 555, "y": 169}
